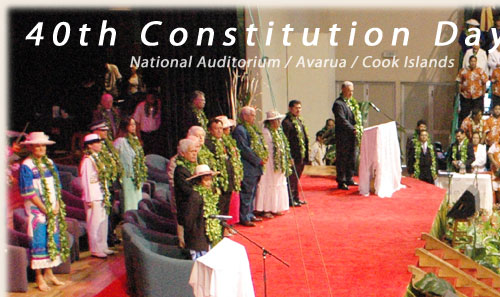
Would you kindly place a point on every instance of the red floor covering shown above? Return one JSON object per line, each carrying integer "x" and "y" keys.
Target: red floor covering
{"x": 340, "y": 243}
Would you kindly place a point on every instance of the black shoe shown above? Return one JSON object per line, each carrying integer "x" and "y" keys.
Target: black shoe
{"x": 256, "y": 219}
{"x": 301, "y": 201}
{"x": 352, "y": 183}
{"x": 295, "y": 203}
{"x": 343, "y": 186}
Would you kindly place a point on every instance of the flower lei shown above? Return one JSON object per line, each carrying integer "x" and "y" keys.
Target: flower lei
{"x": 235, "y": 159}
{"x": 140, "y": 169}
{"x": 463, "y": 151}
{"x": 281, "y": 150}
{"x": 220, "y": 156}
{"x": 51, "y": 217}
{"x": 104, "y": 114}
{"x": 104, "y": 178}
{"x": 257, "y": 143}
{"x": 300, "y": 133}
{"x": 354, "y": 106}
{"x": 418, "y": 151}
{"x": 111, "y": 160}
{"x": 205, "y": 156}
{"x": 213, "y": 229}
{"x": 202, "y": 118}
{"x": 181, "y": 161}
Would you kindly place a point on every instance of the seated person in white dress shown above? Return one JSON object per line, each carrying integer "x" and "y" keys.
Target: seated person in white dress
{"x": 318, "y": 151}
{"x": 479, "y": 164}
{"x": 272, "y": 192}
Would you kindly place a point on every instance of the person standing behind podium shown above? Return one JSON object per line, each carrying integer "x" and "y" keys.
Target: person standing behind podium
{"x": 345, "y": 137}
{"x": 461, "y": 153}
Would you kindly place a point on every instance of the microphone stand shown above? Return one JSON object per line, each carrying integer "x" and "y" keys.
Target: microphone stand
{"x": 386, "y": 115}
{"x": 265, "y": 252}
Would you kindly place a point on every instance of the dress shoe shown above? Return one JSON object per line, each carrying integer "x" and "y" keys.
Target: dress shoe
{"x": 256, "y": 219}
{"x": 301, "y": 201}
{"x": 109, "y": 252}
{"x": 248, "y": 224}
{"x": 100, "y": 255}
{"x": 279, "y": 213}
{"x": 294, "y": 203}
{"x": 352, "y": 183}
{"x": 343, "y": 186}
{"x": 267, "y": 215}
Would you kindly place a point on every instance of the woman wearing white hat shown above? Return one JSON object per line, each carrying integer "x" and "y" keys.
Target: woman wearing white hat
{"x": 200, "y": 231}
{"x": 96, "y": 196}
{"x": 272, "y": 192}
{"x": 41, "y": 189}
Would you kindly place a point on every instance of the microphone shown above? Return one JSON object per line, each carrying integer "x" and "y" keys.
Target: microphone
{"x": 374, "y": 106}
{"x": 220, "y": 217}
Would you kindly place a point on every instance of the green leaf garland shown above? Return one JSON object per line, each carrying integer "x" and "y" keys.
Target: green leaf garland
{"x": 281, "y": 150}
{"x": 257, "y": 143}
{"x": 140, "y": 168}
{"x": 463, "y": 151}
{"x": 418, "y": 151}
{"x": 300, "y": 133}
{"x": 190, "y": 166}
{"x": 354, "y": 106}
{"x": 235, "y": 159}
{"x": 213, "y": 228}
{"x": 104, "y": 178}
{"x": 111, "y": 159}
{"x": 51, "y": 216}
{"x": 202, "y": 118}
{"x": 222, "y": 179}
{"x": 206, "y": 157}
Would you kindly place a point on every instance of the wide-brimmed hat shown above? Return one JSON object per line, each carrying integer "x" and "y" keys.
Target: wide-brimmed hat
{"x": 91, "y": 138}
{"x": 226, "y": 123}
{"x": 202, "y": 170}
{"x": 98, "y": 125}
{"x": 472, "y": 22}
{"x": 37, "y": 138}
{"x": 273, "y": 115}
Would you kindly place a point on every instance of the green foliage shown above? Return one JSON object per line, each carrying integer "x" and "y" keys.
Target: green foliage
{"x": 432, "y": 284}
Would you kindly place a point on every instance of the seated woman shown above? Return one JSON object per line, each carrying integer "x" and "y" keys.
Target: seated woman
{"x": 200, "y": 231}
{"x": 41, "y": 189}
{"x": 479, "y": 164}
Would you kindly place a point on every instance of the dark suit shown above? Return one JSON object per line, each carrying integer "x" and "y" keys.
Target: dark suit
{"x": 345, "y": 140}
{"x": 470, "y": 156}
{"x": 194, "y": 224}
{"x": 252, "y": 170}
{"x": 225, "y": 196}
{"x": 97, "y": 116}
{"x": 188, "y": 120}
{"x": 293, "y": 139}
{"x": 425, "y": 163}
{"x": 183, "y": 189}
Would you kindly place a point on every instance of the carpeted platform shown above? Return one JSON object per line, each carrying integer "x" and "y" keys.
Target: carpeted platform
{"x": 340, "y": 243}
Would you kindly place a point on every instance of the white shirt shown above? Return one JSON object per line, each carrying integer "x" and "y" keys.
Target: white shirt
{"x": 480, "y": 161}
{"x": 91, "y": 188}
{"x": 482, "y": 59}
{"x": 317, "y": 154}
{"x": 148, "y": 123}
{"x": 493, "y": 60}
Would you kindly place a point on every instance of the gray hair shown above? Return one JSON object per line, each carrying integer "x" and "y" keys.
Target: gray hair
{"x": 246, "y": 110}
{"x": 184, "y": 145}
{"x": 347, "y": 84}
{"x": 195, "y": 129}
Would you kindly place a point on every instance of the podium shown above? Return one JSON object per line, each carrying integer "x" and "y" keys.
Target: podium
{"x": 223, "y": 272}
{"x": 380, "y": 160}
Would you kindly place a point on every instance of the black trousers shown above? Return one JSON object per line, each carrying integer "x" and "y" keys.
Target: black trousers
{"x": 345, "y": 158}
{"x": 150, "y": 140}
{"x": 466, "y": 105}
{"x": 494, "y": 100}
{"x": 224, "y": 200}
{"x": 294, "y": 179}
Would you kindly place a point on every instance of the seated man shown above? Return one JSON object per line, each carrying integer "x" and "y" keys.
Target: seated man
{"x": 461, "y": 153}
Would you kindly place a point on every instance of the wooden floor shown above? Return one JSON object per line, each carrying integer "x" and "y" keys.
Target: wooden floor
{"x": 88, "y": 277}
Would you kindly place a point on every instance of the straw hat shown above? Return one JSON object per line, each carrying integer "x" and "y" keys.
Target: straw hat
{"x": 273, "y": 115}
{"x": 226, "y": 123}
{"x": 202, "y": 170}
{"x": 37, "y": 138}
{"x": 472, "y": 22}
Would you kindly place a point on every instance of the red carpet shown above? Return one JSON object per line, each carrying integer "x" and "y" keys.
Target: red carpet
{"x": 117, "y": 288}
{"x": 340, "y": 243}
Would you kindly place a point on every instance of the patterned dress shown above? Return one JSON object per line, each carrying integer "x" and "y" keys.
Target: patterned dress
{"x": 30, "y": 184}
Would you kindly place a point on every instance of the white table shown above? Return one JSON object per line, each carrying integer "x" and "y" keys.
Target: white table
{"x": 223, "y": 272}
{"x": 380, "y": 158}
{"x": 460, "y": 182}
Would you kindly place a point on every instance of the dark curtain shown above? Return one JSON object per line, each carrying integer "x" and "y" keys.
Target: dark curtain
{"x": 46, "y": 75}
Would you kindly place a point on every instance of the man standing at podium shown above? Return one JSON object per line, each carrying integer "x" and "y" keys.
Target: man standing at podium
{"x": 345, "y": 137}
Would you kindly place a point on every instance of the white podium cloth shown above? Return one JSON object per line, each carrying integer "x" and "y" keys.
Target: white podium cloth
{"x": 460, "y": 182}
{"x": 223, "y": 272}
{"x": 380, "y": 158}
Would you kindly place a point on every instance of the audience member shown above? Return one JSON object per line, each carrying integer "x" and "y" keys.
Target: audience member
{"x": 471, "y": 82}
{"x": 318, "y": 151}
{"x": 106, "y": 111}
{"x": 461, "y": 153}
{"x": 480, "y": 54}
{"x": 492, "y": 126}
{"x": 495, "y": 80}
{"x": 112, "y": 79}
{"x": 470, "y": 23}
{"x": 147, "y": 115}
{"x": 494, "y": 156}
{"x": 479, "y": 164}
{"x": 194, "y": 114}
{"x": 475, "y": 124}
